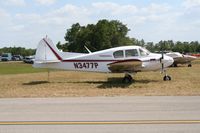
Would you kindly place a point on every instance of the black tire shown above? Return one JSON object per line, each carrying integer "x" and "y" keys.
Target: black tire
{"x": 127, "y": 79}
{"x": 167, "y": 78}
{"x": 189, "y": 65}
{"x": 174, "y": 65}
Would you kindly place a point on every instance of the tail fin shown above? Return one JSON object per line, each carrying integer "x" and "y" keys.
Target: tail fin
{"x": 47, "y": 52}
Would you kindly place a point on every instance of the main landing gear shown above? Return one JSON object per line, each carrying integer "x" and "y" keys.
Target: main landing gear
{"x": 166, "y": 77}
{"x": 127, "y": 78}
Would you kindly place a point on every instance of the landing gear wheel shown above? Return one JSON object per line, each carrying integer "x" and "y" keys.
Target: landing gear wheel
{"x": 166, "y": 78}
{"x": 174, "y": 65}
{"x": 127, "y": 79}
{"x": 189, "y": 65}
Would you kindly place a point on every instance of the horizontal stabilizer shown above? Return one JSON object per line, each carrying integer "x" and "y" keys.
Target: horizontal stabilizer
{"x": 47, "y": 62}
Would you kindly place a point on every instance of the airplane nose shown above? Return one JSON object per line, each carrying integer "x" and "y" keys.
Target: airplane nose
{"x": 168, "y": 61}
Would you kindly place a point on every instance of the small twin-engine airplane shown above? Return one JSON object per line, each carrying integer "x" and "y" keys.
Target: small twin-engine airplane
{"x": 125, "y": 59}
{"x": 181, "y": 58}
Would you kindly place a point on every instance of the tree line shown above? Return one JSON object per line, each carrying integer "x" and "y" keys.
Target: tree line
{"x": 169, "y": 45}
{"x": 17, "y": 51}
{"x": 107, "y": 34}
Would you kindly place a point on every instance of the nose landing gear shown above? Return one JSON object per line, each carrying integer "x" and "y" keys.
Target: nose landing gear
{"x": 166, "y": 77}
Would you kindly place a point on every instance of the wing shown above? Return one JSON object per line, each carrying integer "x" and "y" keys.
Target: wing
{"x": 185, "y": 59}
{"x": 125, "y": 66}
{"x": 179, "y": 60}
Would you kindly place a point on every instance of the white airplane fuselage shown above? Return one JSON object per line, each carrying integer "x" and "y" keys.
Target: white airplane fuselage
{"x": 181, "y": 58}
{"x": 48, "y": 56}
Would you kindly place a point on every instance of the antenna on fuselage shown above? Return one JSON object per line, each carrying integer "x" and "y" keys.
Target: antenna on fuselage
{"x": 87, "y": 49}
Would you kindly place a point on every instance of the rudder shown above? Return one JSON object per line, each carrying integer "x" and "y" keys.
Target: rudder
{"x": 47, "y": 52}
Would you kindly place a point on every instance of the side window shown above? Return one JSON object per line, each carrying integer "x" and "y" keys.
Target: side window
{"x": 118, "y": 54}
{"x": 131, "y": 52}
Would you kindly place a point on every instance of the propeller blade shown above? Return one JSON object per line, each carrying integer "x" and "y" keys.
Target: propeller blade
{"x": 161, "y": 61}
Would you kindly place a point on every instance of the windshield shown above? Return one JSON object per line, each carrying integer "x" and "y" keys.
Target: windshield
{"x": 144, "y": 52}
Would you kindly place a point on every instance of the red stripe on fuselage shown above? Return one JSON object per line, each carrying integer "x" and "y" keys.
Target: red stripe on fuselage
{"x": 115, "y": 61}
{"x": 89, "y": 60}
{"x": 58, "y": 57}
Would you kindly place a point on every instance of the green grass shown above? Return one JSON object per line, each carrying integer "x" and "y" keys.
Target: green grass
{"x": 17, "y": 68}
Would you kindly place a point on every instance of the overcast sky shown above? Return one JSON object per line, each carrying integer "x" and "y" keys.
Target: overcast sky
{"x": 24, "y": 22}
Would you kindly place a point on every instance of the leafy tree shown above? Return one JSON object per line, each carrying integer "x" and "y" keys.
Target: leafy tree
{"x": 150, "y": 46}
{"x": 105, "y": 34}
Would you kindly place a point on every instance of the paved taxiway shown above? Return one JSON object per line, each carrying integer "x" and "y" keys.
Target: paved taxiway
{"x": 100, "y": 114}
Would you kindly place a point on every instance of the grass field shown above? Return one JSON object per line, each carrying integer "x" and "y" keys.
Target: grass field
{"x": 17, "y": 68}
{"x": 25, "y": 81}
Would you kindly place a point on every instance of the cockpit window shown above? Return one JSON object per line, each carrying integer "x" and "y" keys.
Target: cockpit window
{"x": 131, "y": 52}
{"x": 118, "y": 54}
{"x": 143, "y": 52}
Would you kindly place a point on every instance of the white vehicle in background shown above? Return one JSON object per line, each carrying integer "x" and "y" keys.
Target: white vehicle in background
{"x": 29, "y": 59}
{"x": 6, "y": 57}
{"x": 17, "y": 57}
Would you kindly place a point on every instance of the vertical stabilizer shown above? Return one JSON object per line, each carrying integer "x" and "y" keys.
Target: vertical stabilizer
{"x": 47, "y": 52}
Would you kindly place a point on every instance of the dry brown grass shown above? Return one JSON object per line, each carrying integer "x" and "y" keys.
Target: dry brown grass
{"x": 185, "y": 81}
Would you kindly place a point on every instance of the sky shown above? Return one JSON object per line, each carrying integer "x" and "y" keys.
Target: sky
{"x": 23, "y": 23}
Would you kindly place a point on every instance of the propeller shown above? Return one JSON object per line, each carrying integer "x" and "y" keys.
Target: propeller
{"x": 166, "y": 77}
{"x": 161, "y": 61}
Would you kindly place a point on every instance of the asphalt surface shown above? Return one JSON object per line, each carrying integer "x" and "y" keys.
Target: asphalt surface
{"x": 100, "y": 115}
